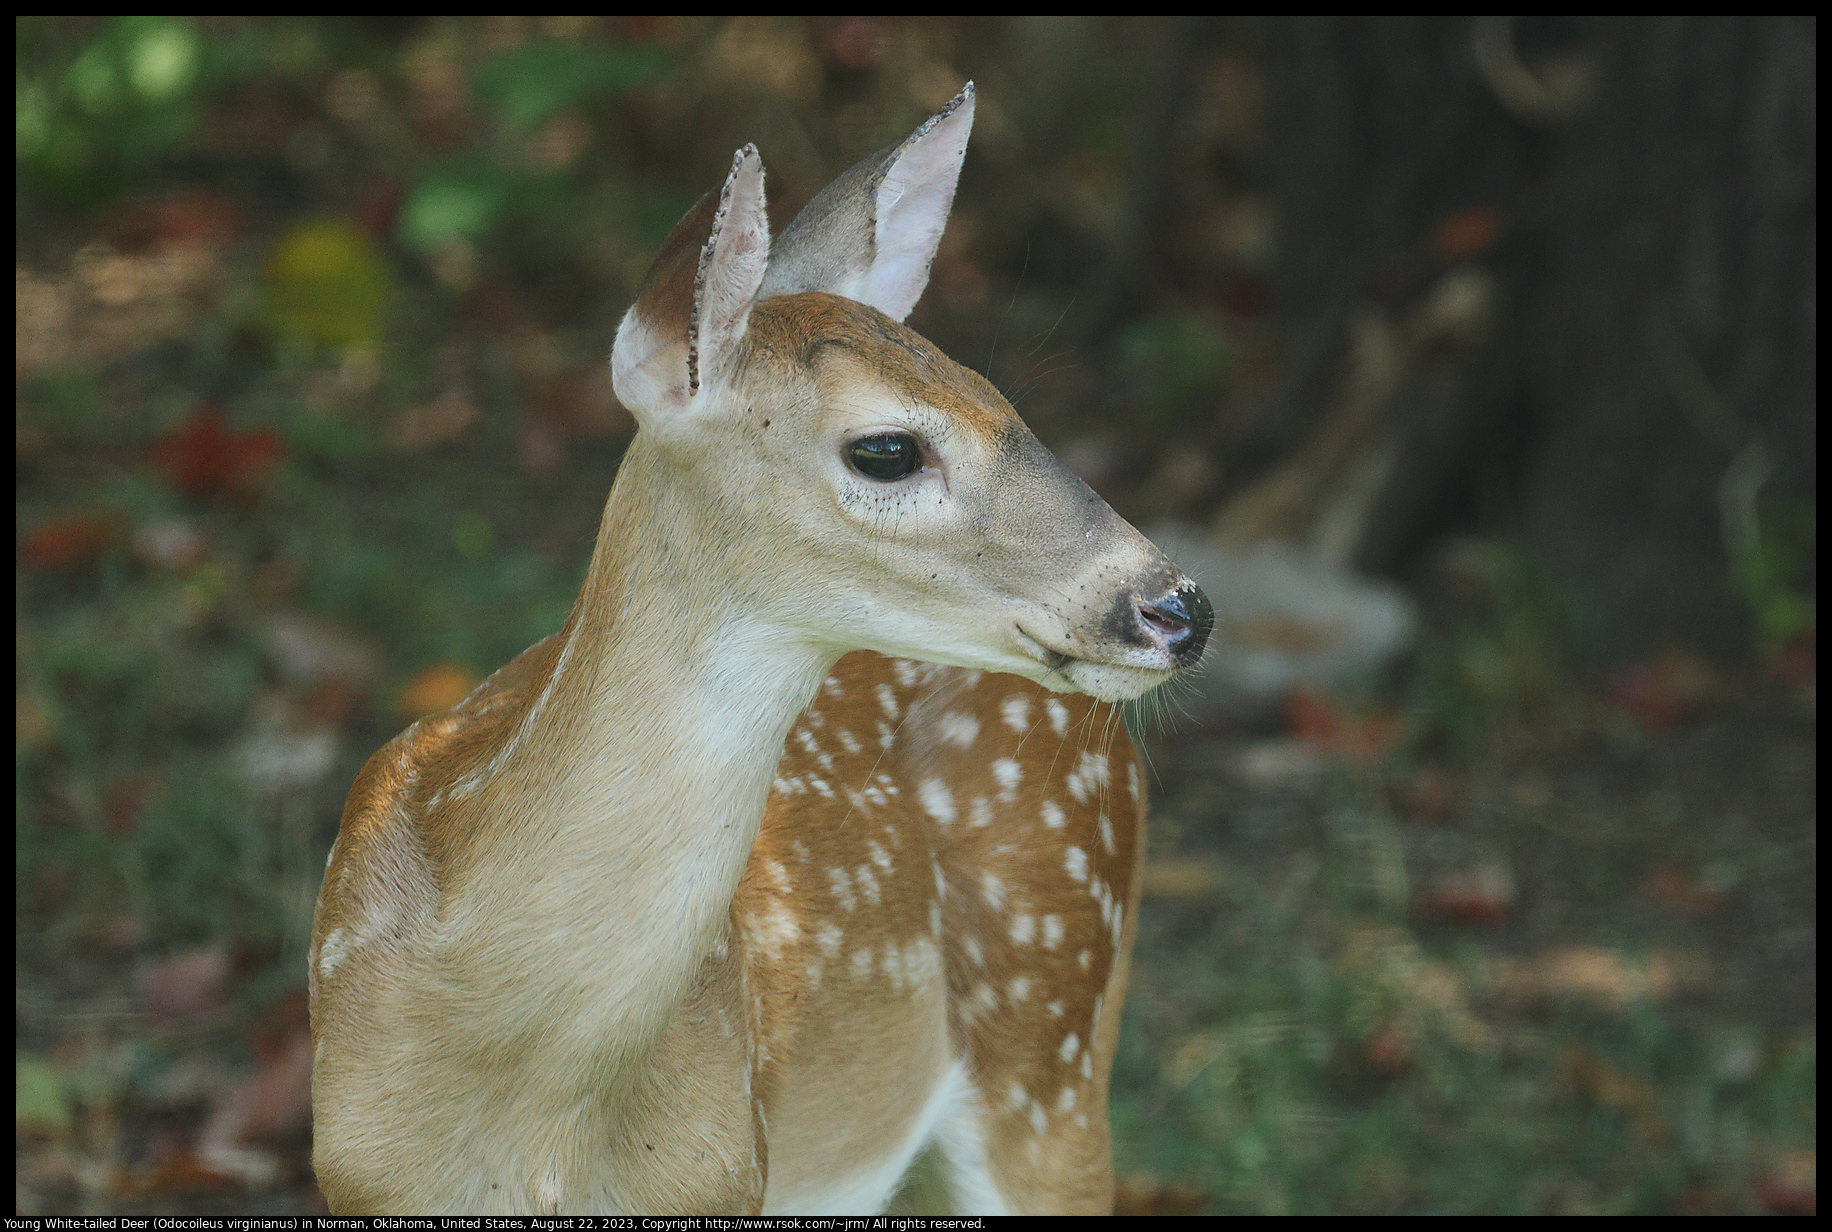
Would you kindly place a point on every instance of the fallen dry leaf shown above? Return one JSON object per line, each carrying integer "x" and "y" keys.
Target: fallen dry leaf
{"x": 1184, "y": 878}
{"x": 308, "y": 652}
{"x": 1791, "y": 1185}
{"x": 1144, "y": 1194}
{"x": 439, "y": 687}
{"x": 1363, "y": 738}
{"x": 191, "y": 984}
{"x": 274, "y": 1101}
{"x": 1602, "y": 975}
{"x": 1479, "y": 897}
{"x": 1681, "y": 890}
{"x": 1662, "y": 692}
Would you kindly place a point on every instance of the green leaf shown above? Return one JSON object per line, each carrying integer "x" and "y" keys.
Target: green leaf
{"x": 456, "y": 205}
{"x": 531, "y": 83}
{"x": 41, "y": 1097}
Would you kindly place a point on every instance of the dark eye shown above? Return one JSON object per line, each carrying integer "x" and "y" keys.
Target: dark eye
{"x": 886, "y": 458}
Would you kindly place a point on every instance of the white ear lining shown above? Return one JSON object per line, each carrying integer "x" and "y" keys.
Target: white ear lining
{"x": 872, "y": 233}
{"x": 912, "y": 204}
{"x": 732, "y": 265}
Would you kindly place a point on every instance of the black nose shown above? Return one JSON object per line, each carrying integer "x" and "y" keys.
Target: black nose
{"x": 1184, "y": 616}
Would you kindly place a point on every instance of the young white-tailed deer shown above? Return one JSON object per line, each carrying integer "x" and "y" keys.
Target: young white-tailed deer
{"x": 688, "y": 909}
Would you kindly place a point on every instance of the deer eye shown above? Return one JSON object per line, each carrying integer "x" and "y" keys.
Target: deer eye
{"x": 887, "y": 457}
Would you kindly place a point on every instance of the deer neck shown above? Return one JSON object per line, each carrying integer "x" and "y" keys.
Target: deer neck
{"x": 640, "y": 774}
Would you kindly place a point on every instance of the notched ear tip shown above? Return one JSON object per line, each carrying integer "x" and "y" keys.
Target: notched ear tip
{"x": 746, "y": 175}
{"x": 958, "y": 109}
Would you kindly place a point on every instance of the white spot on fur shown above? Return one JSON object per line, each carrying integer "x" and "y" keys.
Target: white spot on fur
{"x": 1084, "y": 958}
{"x": 960, "y": 729}
{"x": 1090, "y": 773}
{"x": 1037, "y": 1118}
{"x": 1023, "y": 928}
{"x": 937, "y": 801}
{"x": 774, "y": 929}
{"x": 861, "y": 963}
{"x": 980, "y": 811}
{"x": 849, "y": 742}
{"x": 975, "y": 954}
{"x": 1052, "y": 931}
{"x": 1066, "y": 1101}
{"x": 1087, "y": 1065}
{"x": 1059, "y": 715}
{"x": 1018, "y": 989}
{"x": 1017, "y": 1096}
{"x": 1071, "y": 1044}
{"x": 841, "y": 885}
{"x": 832, "y": 687}
{"x": 887, "y": 701}
{"x": 887, "y": 735}
{"x": 1106, "y": 833}
{"x": 1009, "y": 774}
{"x": 1055, "y": 1009}
{"x": 992, "y": 889}
{"x": 879, "y": 856}
{"x": 1015, "y": 710}
{"x": 1053, "y": 816}
{"x": 829, "y": 937}
{"x": 1076, "y": 861}
{"x": 868, "y": 884}
{"x": 779, "y": 876}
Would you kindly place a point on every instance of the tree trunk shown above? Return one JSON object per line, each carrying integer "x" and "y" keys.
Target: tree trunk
{"x": 1653, "y": 357}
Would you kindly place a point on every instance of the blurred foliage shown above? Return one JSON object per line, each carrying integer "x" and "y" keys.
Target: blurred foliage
{"x": 1500, "y": 662}
{"x": 1772, "y": 574}
{"x": 1175, "y": 361}
{"x": 88, "y": 123}
{"x": 530, "y": 83}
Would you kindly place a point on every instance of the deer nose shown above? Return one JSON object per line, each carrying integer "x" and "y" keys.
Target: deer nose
{"x": 1183, "y": 618}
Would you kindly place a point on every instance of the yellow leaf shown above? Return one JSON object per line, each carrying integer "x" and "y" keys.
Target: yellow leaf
{"x": 327, "y": 283}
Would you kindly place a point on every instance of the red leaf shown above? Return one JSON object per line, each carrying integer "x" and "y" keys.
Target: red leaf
{"x": 1389, "y": 1052}
{"x": 67, "y": 543}
{"x": 1317, "y": 720}
{"x": 1666, "y": 690}
{"x": 1466, "y": 236}
{"x": 206, "y": 458}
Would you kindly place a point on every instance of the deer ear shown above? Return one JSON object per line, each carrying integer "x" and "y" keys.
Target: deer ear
{"x": 871, "y": 234}
{"x": 696, "y": 299}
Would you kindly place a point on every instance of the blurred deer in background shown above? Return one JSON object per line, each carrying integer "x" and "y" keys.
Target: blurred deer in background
{"x": 690, "y": 909}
